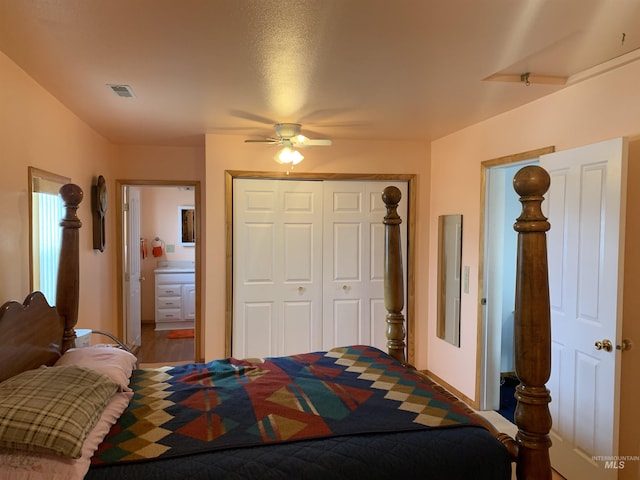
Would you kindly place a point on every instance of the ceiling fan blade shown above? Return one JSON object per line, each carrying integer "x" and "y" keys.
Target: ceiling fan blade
{"x": 251, "y": 116}
{"x": 320, "y": 142}
{"x": 263, "y": 140}
{"x": 302, "y": 141}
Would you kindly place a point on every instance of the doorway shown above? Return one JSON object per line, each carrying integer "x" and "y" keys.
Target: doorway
{"x": 149, "y": 234}
{"x": 500, "y": 208}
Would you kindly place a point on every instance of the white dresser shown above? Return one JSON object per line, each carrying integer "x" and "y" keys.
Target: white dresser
{"x": 175, "y": 297}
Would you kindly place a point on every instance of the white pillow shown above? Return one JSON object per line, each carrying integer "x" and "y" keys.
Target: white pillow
{"x": 21, "y": 465}
{"x": 113, "y": 362}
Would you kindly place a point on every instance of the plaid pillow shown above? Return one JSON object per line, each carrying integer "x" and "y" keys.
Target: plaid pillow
{"x": 52, "y": 409}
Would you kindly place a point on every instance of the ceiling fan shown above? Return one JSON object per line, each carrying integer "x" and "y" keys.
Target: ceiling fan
{"x": 288, "y": 136}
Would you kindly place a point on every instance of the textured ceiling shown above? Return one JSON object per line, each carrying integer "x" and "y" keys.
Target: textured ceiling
{"x": 401, "y": 69}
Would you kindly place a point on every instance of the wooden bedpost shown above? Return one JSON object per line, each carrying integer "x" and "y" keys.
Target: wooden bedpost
{"x": 532, "y": 330}
{"x": 69, "y": 268}
{"x": 393, "y": 275}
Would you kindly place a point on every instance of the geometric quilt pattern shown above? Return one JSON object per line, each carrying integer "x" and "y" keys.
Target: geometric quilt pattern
{"x": 230, "y": 403}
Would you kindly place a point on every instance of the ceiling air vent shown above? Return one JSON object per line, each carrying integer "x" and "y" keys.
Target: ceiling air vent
{"x": 123, "y": 91}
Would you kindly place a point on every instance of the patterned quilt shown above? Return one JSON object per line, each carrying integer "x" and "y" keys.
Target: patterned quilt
{"x": 233, "y": 403}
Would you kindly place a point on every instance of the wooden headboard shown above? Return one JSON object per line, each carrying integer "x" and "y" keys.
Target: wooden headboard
{"x": 33, "y": 333}
{"x": 24, "y": 350}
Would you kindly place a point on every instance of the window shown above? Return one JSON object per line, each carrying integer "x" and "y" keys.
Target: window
{"x": 47, "y": 210}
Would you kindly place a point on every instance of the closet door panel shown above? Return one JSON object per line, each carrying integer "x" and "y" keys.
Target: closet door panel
{"x": 277, "y": 261}
{"x": 258, "y": 241}
{"x": 354, "y": 263}
{"x": 347, "y": 318}
{"x": 297, "y": 335}
{"x": 347, "y": 252}
{"x": 298, "y": 248}
{"x": 255, "y": 327}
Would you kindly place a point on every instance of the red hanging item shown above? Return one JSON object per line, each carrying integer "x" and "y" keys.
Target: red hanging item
{"x": 156, "y": 247}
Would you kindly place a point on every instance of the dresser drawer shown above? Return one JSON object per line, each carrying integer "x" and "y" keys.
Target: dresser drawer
{"x": 168, "y": 315}
{"x": 172, "y": 278}
{"x": 168, "y": 290}
{"x": 169, "y": 302}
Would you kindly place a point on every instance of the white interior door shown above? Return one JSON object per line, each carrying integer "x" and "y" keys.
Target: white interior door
{"x": 585, "y": 205}
{"x": 277, "y": 245}
{"x": 353, "y": 249}
{"x": 132, "y": 276}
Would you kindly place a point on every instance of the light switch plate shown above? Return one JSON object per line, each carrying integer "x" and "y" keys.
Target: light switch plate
{"x": 466, "y": 279}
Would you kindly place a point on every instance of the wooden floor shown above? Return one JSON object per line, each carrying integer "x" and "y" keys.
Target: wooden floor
{"x": 158, "y": 349}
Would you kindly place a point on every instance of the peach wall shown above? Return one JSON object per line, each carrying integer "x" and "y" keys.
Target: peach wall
{"x": 344, "y": 156}
{"x": 37, "y": 130}
{"x": 146, "y": 162}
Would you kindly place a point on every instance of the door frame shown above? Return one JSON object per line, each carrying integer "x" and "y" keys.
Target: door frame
{"x": 196, "y": 184}
{"x": 410, "y": 270}
{"x": 484, "y": 345}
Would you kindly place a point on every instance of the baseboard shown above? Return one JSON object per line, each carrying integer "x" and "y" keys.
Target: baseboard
{"x": 451, "y": 389}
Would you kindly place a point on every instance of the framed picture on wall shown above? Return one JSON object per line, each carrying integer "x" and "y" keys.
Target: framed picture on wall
{"x": 187, "y": 225}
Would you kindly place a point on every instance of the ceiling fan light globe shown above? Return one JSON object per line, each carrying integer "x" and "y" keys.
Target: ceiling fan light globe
{"x": 288, "y": 155}
{"x": 297, "y": 157}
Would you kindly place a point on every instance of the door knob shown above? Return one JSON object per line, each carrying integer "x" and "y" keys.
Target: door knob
{"x": 300, "y": 289}
{"x": 605, "y": 345}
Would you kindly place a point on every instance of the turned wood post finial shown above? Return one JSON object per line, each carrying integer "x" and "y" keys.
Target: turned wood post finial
{"x": 532, "y": 329}
{"x": 393, "y": 275}
{"x": 67, "y": 293}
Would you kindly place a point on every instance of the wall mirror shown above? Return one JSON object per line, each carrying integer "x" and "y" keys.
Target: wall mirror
{"x": 46, "y": 210}
{"x": 449, "y": 277}
{"x": 187, "y": 225}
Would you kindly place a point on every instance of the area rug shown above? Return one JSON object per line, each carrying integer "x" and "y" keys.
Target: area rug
{"x": 182, "y": 333}
{"x": 507, "y": 398}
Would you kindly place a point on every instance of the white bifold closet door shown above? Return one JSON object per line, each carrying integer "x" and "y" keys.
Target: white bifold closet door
{"x": 308, "y": 265}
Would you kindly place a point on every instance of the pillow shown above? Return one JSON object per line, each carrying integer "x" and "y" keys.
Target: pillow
{"x": 52, "y": 409}
{"x": 22, "y": 465}
{"x": 115, "y": 363}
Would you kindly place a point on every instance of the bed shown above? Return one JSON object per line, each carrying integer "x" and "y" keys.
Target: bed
{"x": 351, "y": 412}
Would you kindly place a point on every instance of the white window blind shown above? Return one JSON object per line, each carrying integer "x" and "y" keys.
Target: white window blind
{"x": 48, "y": 211}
